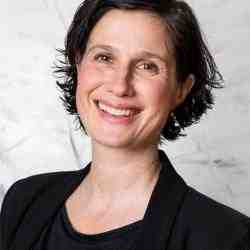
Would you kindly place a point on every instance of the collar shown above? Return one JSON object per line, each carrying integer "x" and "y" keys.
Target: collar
{"x": 163, "y": 207}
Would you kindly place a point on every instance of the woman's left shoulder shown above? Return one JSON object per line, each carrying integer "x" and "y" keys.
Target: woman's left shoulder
{"x": 207, "y": 221}
{"x": 212, "y": 208}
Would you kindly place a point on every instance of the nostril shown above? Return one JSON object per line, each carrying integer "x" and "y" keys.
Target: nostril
{"x": 120, "y": 87}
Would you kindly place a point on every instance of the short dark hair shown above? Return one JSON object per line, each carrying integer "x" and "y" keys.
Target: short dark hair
{"x": 190, "y": 52}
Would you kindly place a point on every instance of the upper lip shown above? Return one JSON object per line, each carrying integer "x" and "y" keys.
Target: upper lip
{"x": 119, "y": 105}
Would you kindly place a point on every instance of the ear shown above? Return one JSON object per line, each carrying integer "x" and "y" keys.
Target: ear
{"x": 184, "y": 89}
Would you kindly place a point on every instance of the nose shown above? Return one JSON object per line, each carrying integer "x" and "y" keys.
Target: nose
{"x": 120, "y": 83}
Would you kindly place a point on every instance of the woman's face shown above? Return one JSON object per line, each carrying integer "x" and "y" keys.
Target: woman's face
{"x": 126, "y": 80}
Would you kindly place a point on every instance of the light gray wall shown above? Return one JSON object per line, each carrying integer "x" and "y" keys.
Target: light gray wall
{"x": 36, "y": 135}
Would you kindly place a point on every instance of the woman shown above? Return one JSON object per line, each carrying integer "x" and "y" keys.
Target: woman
{"x": 134, "y": 73}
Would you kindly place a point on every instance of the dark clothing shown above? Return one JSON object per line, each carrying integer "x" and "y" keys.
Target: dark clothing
{"x": 61, "y": 235}
{"x": 177, "y": 217}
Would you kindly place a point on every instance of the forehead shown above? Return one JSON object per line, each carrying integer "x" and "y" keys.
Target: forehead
{"x": 132, "y": 30}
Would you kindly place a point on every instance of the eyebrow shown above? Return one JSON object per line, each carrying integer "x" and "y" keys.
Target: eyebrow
{"x": 142, "y": 53}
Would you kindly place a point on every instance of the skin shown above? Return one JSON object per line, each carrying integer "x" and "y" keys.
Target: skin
{"x": 117, "y": 69}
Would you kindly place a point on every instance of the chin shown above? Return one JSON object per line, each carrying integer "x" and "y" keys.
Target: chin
{"x": 112, "y": 142}
{"x": 126, "y": 143}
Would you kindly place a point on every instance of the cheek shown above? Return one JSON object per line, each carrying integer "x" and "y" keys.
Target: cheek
{"x": 80, "y": 99}
{"x": 88, "y": 79}
{"x": 159, "y": 94}
{"x": 87, "y": 73}
{"x": 85, "y": 83}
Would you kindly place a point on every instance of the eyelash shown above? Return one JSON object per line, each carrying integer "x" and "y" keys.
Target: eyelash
{"x": 109, "y": 60}
{"x": 153, "y": 67}
{"x": 97, "y": 57}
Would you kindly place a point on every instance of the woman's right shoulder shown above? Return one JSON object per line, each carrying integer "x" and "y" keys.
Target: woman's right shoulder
{"x": 26, "y": 192}
{"x": 26, "y": 188}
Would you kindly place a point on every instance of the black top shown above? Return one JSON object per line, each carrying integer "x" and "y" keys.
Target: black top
{"x": 60, "y": 234}
{"x": 177, "y": 217}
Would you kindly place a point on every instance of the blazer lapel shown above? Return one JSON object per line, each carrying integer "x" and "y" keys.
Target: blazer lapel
{"x": 159, "y": 217}
{"x": 44, "y": 208}
{"x": 163, "y": 208}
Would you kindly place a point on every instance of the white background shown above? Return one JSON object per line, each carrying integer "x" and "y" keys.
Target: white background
{"x": 37, "y": 136}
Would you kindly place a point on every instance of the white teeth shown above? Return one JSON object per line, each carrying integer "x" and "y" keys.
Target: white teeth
{"x": 114, "y": 111}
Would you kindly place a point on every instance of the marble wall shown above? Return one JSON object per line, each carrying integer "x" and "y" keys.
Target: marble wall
{"x": 37, "y": 136}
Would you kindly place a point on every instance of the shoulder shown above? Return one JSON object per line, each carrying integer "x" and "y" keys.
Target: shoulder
{"x": 204, "y": 205}
{"x": 29, "y": 187}
{"x": 205, "y": 221}
{"x": 23, "y": 194}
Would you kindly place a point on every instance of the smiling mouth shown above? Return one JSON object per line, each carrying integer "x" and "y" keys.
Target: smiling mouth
{"x": 116, "y": 112}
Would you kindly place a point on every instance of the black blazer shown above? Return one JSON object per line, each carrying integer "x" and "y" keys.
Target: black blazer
{"x": 177, "y": 217}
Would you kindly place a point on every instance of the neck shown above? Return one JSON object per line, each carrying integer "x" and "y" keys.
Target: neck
{"x": 117, "y": 172}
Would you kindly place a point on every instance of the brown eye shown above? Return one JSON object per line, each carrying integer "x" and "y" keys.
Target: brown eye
{"x": 103, "y": 58}
{"x": 150, "y": 67}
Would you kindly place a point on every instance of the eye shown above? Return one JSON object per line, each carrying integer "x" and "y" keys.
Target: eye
{"x": 150, "y": 67}
{"x": 103, "y": 58}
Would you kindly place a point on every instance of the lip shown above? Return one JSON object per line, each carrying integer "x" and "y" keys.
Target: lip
{"x": 134, "y": 109}
{"x": 122, "y": 120}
